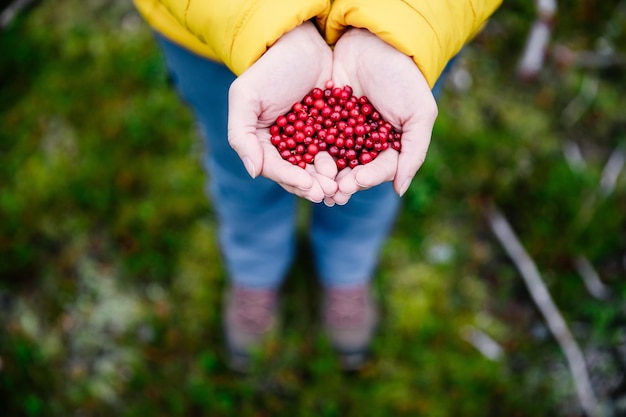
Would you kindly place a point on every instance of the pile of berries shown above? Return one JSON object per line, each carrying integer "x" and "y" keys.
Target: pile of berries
{"x": 348, "y": 127}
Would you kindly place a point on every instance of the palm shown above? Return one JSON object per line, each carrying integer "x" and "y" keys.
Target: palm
{"x": 396, "y": 87}
{"x": 299, "y": 61}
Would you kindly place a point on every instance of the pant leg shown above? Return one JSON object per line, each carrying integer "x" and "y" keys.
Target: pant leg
{"x": 256, "y": 217}
{"x": 347, "y": 240}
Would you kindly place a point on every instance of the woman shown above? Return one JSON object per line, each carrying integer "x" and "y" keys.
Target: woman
{"x": 241, "y": 64}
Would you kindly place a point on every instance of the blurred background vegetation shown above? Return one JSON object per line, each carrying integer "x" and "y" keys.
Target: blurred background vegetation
{"x": 110, "y": 275}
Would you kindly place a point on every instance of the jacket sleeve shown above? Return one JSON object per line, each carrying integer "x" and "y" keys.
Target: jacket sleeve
{"x": 429, "y": 31}
{"x": 235, "y": 32}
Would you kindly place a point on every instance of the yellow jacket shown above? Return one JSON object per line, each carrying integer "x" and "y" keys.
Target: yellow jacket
{"x": 238, "y": 32}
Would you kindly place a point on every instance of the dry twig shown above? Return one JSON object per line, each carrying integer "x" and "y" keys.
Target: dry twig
{"x": 591, "y": 279}
{"x": 541, "y": 296}
{"x": 538, "y": 39}
{"x": 12, "y": 10}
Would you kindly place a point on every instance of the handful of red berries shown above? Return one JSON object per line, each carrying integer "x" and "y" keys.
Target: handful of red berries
{"x": 348, "y": 127}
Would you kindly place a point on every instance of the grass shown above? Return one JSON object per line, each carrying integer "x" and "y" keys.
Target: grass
{"x": 111, "y": 276}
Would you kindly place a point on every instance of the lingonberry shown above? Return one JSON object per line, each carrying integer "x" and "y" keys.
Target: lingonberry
{"x": 332, "y": 119}
{"x": 365, "y": 158}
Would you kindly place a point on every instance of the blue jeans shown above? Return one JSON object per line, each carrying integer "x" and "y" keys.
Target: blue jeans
{"x": 256, "y": 217}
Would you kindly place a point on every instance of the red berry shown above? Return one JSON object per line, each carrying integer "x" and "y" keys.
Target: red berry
{"x": 317, "y": 93}
{"x": 291, "y": 143}
{"x": 334, "y": 120}
{"x": 289, "y": 130}
{"x": 365, "y": 158}
{"x": 281, "y": 121}
{"x": 308, "y": 130}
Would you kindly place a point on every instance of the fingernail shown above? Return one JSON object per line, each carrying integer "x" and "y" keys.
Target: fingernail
{"x": 247, "y": 162}
{"x": 405, "y": 186}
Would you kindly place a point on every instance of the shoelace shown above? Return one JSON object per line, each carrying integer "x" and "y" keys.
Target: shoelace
{"x": 253, "y": 308}
{"x": 346, "y": 307}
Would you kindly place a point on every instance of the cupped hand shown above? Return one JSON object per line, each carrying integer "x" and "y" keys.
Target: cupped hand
{"x": 399, "y": 91}
{"x": 299, "y": 61}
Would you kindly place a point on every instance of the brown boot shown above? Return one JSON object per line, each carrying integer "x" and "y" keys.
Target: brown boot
{"x": 350, "y": 319}
{"x": 250, "y": 316}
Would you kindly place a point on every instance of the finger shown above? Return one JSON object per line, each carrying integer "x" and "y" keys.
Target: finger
{"x": 328, "y": 186}
{"x": 315, "y": 194}
{"x": 340, "y": 198}
{"x": 380, "y": 170}
{"x": 243, "y": 115}
{"x": 325, "y": 165}
{"x": 324, "y": 169}
{"x": 416, "y": 137}
{"x": 283, "y": 172}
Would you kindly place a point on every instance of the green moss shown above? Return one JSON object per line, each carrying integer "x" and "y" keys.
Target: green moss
{"x": 111, "y": 276}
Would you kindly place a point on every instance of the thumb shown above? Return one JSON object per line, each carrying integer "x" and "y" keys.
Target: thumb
{"x": 416, "y": 136}
{"x": 243, "y": 117}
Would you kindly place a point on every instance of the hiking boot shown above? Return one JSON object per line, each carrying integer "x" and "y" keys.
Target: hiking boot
{"x": 350, "y": 319}
{"x": 250, "y": 317}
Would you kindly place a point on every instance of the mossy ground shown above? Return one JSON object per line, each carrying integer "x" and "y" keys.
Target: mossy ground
{"x": 111, "y": 277}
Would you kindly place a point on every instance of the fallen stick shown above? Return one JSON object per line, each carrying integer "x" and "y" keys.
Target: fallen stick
{"x": 12, "y": 10}
{"x": 538, "y": 40}
{"x": 591, "y": 279}
{"x": 541, "y": 296}
{"x": 612, "y": 170}
{"x": 481, "y": 341}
